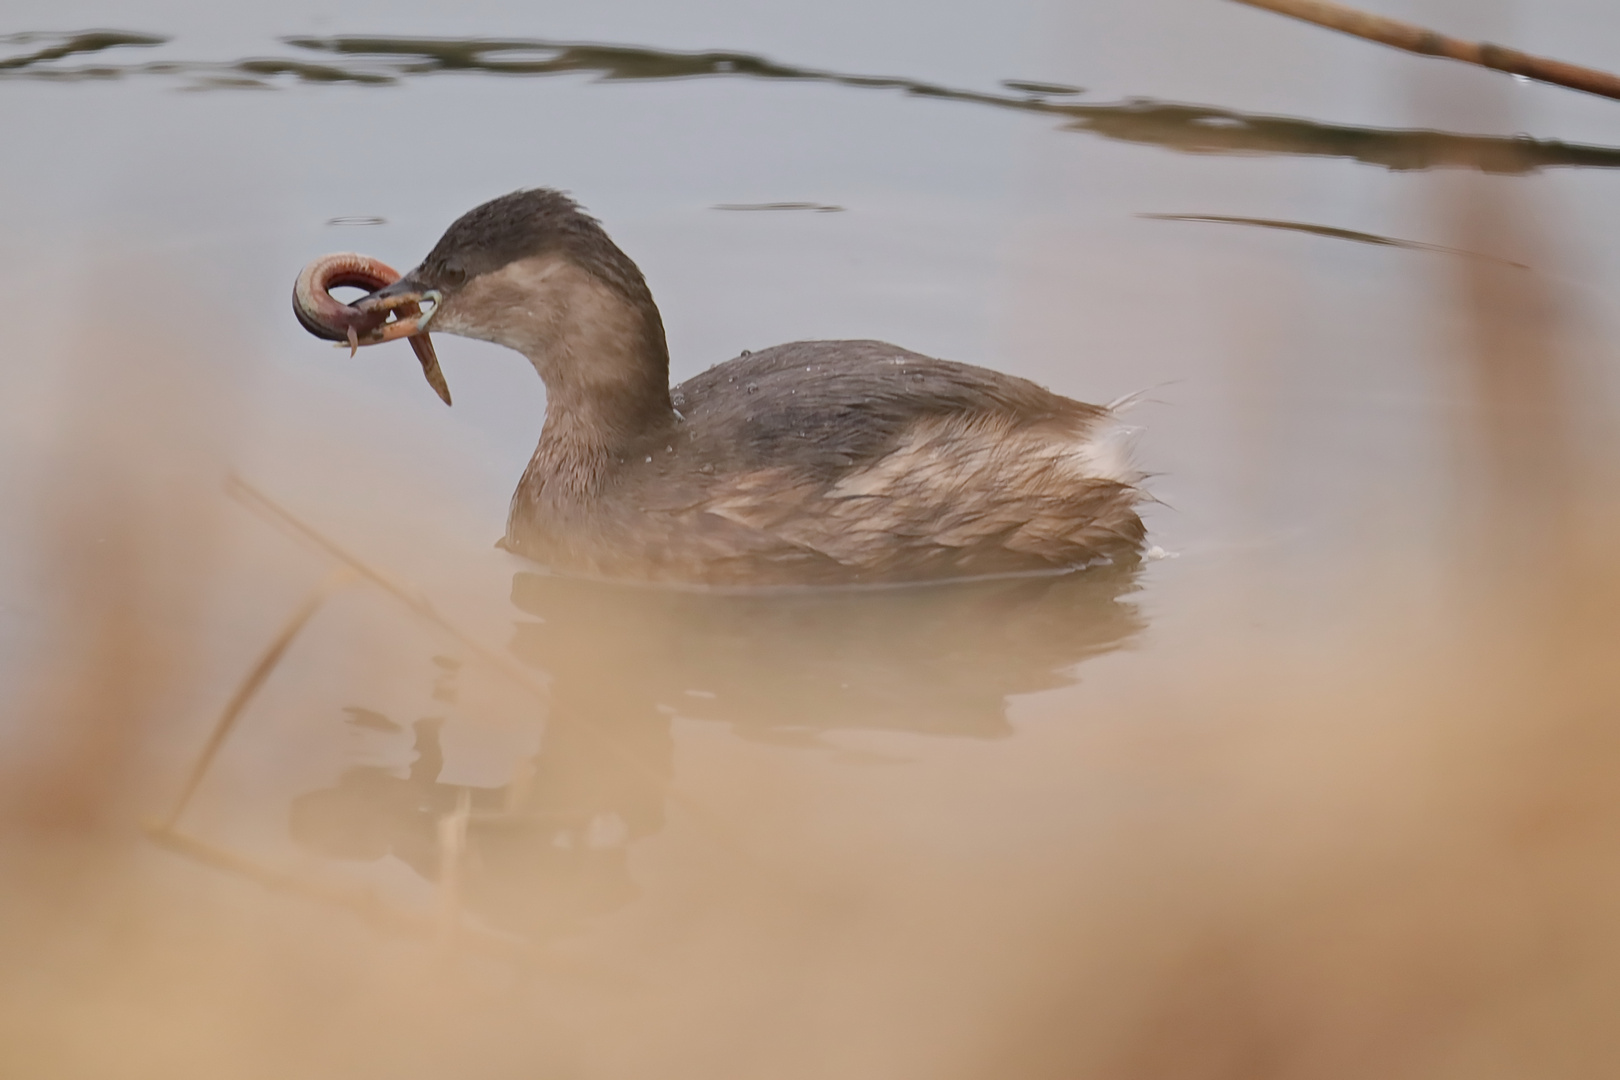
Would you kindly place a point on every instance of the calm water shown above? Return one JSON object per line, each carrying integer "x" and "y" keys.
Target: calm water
{"x": 999, "y": 184}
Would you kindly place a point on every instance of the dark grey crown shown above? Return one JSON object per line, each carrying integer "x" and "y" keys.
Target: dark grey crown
{"x": 523, "y": 224}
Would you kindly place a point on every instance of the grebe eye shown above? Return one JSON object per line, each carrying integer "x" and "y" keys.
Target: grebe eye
{"x": 452, "y": 274}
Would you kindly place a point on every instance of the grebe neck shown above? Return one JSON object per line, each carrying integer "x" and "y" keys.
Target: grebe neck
{"x": 600, "y": 349}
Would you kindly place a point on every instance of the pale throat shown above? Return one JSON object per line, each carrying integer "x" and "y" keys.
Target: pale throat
{"x": 601, "y": 356}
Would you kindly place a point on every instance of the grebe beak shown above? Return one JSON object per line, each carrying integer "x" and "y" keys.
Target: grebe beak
{"x": 403, "y": 300}
{"x": 393, "y": 310}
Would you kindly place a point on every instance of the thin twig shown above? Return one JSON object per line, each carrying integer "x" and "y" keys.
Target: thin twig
{"x": 452, "y": 849}
{"x": 255, "y": 499}
{"x": 1425, "y": 42}
{"x": 250, "y": 686}
{"x": 360, "y": 900}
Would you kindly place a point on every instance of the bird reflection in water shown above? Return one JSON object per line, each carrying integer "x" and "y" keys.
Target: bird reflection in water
{"x": 549, "y": 848}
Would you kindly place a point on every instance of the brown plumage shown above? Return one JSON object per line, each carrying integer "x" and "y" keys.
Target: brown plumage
{"x": 809, "y": 463}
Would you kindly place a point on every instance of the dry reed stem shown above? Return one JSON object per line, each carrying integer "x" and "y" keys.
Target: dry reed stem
{"x": 452, "y": 830}
{"x": 250, "y": 686}
{"x": 359, "y": 900}
{"x": 256, "y": 500}
{"x": 1417, "y": 39}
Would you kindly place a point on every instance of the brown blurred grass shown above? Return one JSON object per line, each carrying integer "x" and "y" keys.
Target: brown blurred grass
{"x": 1401, "y": 857}
{"x": 1425, "y": 881}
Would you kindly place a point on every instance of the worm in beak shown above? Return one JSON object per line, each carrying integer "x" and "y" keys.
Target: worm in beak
{"x": 393, "y": 310}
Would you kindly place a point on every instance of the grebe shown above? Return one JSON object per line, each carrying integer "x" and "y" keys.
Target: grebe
{"x": 816, "y": 462}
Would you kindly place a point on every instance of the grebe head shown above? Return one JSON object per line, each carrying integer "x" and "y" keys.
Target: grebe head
{"x": 531, "y": 271}
{"x": 534, "y": 272}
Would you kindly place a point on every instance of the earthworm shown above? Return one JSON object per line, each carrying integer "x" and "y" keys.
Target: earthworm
{"x": 327, "y": 317}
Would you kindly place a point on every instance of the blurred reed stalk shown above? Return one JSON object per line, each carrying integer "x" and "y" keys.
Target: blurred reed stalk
{"x": 125, "y": 543}
{"x": 1514, "y": 356}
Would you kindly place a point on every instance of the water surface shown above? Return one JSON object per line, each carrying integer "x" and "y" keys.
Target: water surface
{"x": 743, "y": 836}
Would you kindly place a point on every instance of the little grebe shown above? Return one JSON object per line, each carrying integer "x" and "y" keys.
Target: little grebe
{"x": 816, "y": 462}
